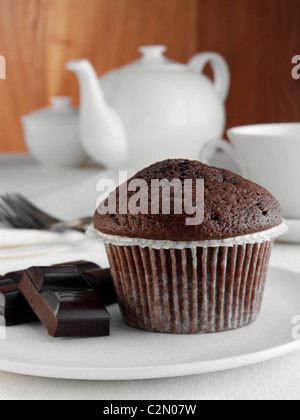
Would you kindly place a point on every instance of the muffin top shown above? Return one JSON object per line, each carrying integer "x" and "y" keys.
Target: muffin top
{"x": 233, "y": 206}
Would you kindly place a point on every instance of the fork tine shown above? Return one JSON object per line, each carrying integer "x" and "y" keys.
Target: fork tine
{"x": 29, "y": 221}
{"x": 34, "y": 211}
{"x": 18, "y": 219}
{"x": 5, "y": 218}
{"x": 8, "y": 218}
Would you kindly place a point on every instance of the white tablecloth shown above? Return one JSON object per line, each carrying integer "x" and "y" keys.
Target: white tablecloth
{"x": 275, "y": 379}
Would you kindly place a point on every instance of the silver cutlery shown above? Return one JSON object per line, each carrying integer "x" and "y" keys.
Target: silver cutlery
{"x": 18, "y": 212}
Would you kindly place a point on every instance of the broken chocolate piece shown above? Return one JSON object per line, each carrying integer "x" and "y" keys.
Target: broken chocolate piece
{"x": 57, "y": 278}
{"x": 13, "y": 306}
{"x": 15, "y": 309}
{"x": 83, "y": 266}
{"x": 101, "y": 281}
{"x": 64, "y": 302}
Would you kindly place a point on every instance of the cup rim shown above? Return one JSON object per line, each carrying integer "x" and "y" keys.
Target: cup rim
{"x": 246, "y": 130}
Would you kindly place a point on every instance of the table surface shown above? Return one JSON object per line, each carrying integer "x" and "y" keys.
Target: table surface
{"x": 277, "y": 379}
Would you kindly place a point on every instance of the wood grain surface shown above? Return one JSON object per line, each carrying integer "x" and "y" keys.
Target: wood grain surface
{"x": 258, "y": 38}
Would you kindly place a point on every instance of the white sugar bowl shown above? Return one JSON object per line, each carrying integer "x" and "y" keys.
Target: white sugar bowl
{"x": 52, "y": 134}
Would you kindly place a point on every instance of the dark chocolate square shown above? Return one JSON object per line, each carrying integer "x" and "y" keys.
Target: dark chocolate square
{"x": 64, "y": 302}
{"x": 13, "y": 306}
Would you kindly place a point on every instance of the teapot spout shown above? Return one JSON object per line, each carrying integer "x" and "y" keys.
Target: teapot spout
{"x": 101, "y": 129}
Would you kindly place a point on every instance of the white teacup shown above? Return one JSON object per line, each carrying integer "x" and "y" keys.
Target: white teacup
{"x": 268, "y": 154}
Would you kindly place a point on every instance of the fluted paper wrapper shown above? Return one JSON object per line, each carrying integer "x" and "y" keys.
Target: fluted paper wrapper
{"x": 196, "y": 289}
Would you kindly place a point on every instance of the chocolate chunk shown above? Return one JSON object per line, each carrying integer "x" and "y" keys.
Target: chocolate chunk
{"x": 101, "y": 281}
{"x": 13, "y": 306}
{"x": 57, "y": 278}
{"x": 64, "y": 302}
{"x": 83, "y": 266}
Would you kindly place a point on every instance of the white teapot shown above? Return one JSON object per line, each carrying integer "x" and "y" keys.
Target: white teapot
{"x": 152, "y": 109}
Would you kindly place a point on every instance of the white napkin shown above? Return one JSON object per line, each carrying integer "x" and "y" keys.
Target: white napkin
{"x": 77, "y": 200}
{"x": 20, "y": 249}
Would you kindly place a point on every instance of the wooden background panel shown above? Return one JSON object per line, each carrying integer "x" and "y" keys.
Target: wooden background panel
{"x": 258, "y": 38}
{"x": 22, "y": 43}
{"x": 109, "y": 32}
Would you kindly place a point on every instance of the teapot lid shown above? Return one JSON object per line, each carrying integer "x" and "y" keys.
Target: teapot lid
{"x": 153, "y": 59}
{"x": 61, "y": 111}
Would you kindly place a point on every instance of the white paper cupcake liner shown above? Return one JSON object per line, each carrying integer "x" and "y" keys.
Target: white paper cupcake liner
{"x": 188, "y": 288}
{"x": 259, "y": 237}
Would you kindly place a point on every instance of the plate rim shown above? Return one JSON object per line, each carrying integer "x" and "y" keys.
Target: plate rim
{"x": 149, "y": 372}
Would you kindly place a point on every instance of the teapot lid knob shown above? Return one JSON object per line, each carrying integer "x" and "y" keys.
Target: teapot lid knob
{"x": 152, "y": 52}
{"x": 153, "y": 59}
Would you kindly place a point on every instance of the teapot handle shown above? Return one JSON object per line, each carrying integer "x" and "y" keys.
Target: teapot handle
{"x": 220, "y": 69}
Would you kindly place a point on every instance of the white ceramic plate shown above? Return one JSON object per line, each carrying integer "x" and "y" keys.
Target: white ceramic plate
{"x": 133, "y": 354}
{"x": 293, "y": 235}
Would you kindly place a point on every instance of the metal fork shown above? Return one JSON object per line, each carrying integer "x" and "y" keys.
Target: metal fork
{"x": 18, "y": 212}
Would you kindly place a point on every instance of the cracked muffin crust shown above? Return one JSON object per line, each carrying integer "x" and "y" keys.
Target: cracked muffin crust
{"x": 233, "y": 206}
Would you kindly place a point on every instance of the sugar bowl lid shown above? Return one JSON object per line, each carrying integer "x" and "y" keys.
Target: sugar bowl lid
{"x": 61, "y": 111}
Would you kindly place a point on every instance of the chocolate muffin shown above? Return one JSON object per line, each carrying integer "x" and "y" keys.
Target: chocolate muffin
{"x": 233, "y": 206}
{"x": 179, "y": 278}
